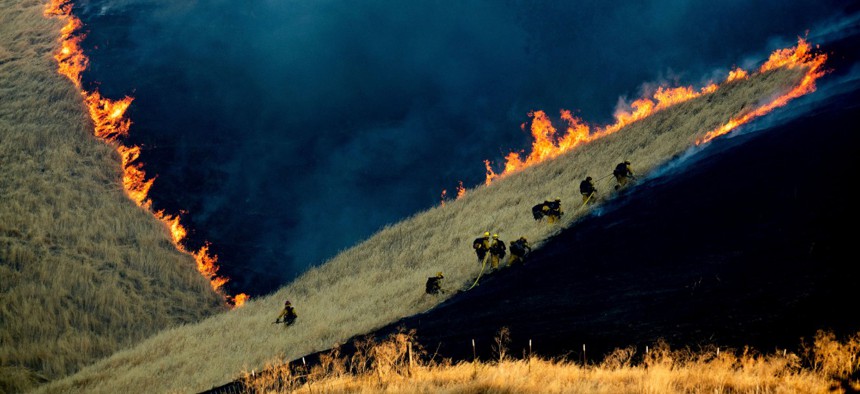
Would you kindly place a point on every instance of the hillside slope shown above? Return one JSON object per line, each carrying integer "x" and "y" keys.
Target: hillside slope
{"x": 381, "y": 280}
{"x": 736, "y": 247}
{"x": 83, "y": 271}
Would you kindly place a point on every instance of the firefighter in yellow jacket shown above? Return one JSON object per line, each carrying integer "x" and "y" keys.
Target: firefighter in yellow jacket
{"x": 434, "y": 284}
{"x": 482, "y": 246}
{"x": 497, "y": 251}
{"x": 553, "y": 211}
{"x": 587, "y": 189}
{"x": 622, "y": 173}
{"x": 519, "y": 250}
{"x": 288, "y": 315}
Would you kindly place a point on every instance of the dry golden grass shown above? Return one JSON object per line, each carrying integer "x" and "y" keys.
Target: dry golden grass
{"x": 385, "y": 368}
{"x": 83, "y": 271}
{"x": 381, "y": 279}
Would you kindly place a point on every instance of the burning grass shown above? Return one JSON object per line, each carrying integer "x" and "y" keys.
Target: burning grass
{"x": 381, "y": 279}
{"x": 83, "y": 273}
{"x": 392, "y": 367}
{"x": 110, "y": 124}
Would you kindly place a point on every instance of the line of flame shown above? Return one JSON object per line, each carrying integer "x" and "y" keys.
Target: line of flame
{"x": 110, "y": 124}
{"x": 548, "y": 144}
{"x": 800, "y": 56}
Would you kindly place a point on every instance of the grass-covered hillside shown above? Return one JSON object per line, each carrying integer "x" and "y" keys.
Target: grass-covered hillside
{"x": 83, "y": 271}
{"x": 381, "y": 279}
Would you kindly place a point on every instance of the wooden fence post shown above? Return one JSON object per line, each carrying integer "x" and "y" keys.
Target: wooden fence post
{"x": 409, "y": 353}
{"x": 530, "y": 355}
{"x": 474, "y": 357}
{"x": 584, "y": 357}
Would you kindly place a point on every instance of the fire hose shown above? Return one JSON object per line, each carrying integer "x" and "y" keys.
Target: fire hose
{"x": 483, "y": 265}
{"x": 587, "y": 199}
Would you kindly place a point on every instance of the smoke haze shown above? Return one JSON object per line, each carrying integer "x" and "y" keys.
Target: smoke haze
{"x": 290, "y": 130}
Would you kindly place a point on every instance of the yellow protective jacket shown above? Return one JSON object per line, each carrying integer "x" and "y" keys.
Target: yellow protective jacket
{"x": 288, "y": 313}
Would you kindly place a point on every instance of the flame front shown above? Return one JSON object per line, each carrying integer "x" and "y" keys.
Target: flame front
{"x": 548, "y": 144}
{"x": 111, "y": 124}
{"x": 800, "y": 56}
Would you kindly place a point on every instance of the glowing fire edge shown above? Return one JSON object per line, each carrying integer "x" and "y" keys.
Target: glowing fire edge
{"x": 547, "y": 145}
{"x": 109, "y": 125}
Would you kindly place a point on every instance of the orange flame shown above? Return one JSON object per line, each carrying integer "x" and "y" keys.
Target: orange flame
{"x": 110, "y": 123}
{"x": 238, "y": 300}
{"x": 799, "y": 56}
{"x": 134, "y": 180}
{"x": 737, "y": 74}
{"x": 491, "y": 175}
{"x": 108, "y": 115}
{"x": 547, "y": 144}
{"x": 461, "y": 191}
{"x": 710, "y": 88}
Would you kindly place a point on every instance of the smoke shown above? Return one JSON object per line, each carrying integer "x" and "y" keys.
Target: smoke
{"x": 290, "y": 130}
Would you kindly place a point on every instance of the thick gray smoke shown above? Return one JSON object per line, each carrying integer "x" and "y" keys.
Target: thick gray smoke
{"x": 290, "y": 130}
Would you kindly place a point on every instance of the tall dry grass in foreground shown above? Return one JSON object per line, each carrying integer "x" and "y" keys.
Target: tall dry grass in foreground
{"x": 83, "y": 271}
{"x": 391, "y": 367}
{"x": 381, "y": 279}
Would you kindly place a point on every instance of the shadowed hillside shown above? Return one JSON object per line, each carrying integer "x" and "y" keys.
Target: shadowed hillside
{"x": 83, "y": 271}
{"x": 381, "y": 280}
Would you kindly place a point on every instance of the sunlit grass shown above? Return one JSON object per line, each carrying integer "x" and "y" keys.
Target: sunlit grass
{"x": 83, "y": 272}
{"x": 386, "y": 368}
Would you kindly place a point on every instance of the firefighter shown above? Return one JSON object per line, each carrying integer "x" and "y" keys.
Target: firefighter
{"x": 288, "y": 315}
{"x": 497, "y": 251}
{"x": 622, "y": 172}
{"x": 588, "y": 190}
{"x": 553, "y": 210}
{"x": 519, "y": 250}
{"x": 434, "y": 284}
{"x": 482, "y": 246}
{"x": 538, "y": 211}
